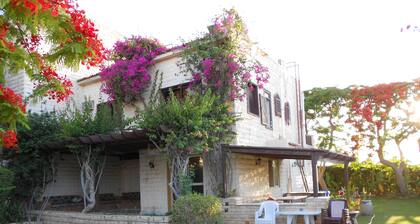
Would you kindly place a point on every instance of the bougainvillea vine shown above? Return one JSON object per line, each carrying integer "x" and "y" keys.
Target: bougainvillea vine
{"x": 128, "y": 76}
{"x": 221, "y": 60}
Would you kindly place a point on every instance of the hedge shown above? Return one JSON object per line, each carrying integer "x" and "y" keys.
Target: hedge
{"x": 376, "y": 179}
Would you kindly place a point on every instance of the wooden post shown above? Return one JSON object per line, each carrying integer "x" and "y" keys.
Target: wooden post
{"x": 314, "y": 160}
{"x": 346, "y": 174}
{"x": 224, "y": 193}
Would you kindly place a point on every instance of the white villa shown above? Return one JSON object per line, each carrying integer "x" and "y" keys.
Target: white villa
{"x": 270, "y": 155}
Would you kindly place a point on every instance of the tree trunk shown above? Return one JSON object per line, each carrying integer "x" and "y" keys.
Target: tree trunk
{"x": 179, "y": 169}
{"x": 214, "y": 178}
{"x": 401, "y": 182}
{"x": 321, "y": 175}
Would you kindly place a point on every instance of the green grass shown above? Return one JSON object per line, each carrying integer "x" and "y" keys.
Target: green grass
{"x": 394, "y": 211}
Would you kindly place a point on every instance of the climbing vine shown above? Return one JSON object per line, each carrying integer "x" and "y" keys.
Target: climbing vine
{"x": 221, "y": 59}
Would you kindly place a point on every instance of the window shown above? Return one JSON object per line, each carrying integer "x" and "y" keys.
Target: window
{"x": 287, "y": 113}
{"x": 277, "y": 105}
{"x": 196, "y": 167}
{"x": 265, "y": 104}
{"x": 179, "y": 91}
{"x": 274, "y": 173}
{"x": 253, "y": 99}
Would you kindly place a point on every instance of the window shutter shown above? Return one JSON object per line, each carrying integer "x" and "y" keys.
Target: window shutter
{"x": 253, "y": 100}
{"x": 287, "y": 113}
{"x": 277, "y": 105}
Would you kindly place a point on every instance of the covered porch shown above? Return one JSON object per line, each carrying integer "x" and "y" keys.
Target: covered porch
{"x": 250, "y": 167}
{"x": 134, "y": 180}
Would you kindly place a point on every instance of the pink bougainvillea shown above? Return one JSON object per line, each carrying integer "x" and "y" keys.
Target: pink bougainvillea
{"x": 128, "y": 76}
{"x": 221, "y": 61}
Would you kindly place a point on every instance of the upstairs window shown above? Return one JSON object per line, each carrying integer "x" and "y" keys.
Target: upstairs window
{"x": 287, "y": 113}
{"x": 277, "y": 105}
{"x": 252, "y": 94}
{"x": 265, "y": 104}
{"x": 179, "y": 91}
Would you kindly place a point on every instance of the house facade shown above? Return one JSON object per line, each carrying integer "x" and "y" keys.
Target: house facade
{"x": 269, "y": 117}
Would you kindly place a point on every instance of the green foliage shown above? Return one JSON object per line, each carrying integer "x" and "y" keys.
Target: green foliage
{"x": 6, "y": 183}
{"x": 325, "y": 116}
{"x": 185, "y": 182}
{"x": 32, "y": 164}
{"x": 194, "y": 124}
{"x": 83, "y": 121}
{"x": 375, "y": 179}
{"x": 197, "y": 209}
{"x": 10, "y": 210}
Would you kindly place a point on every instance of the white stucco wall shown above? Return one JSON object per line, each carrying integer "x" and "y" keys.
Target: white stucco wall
{"x": 119, "y": 176}
{"x": 153, "y": 184}
{"x": 249, "y": 129}
{"x": 250, "y": 180}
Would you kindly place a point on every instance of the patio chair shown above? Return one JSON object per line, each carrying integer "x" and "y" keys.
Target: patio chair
{"x": 337, "y": 212}
{"x": 267, "y": 213}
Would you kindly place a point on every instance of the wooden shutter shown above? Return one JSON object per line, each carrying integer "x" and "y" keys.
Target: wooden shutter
{"x": 287, "y": 113}
{"x": 277, "y": 105}
{"x": 253, "y": 100}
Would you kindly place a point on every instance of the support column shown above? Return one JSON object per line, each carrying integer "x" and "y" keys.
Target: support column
{"x": 315, "y": 181}
{"x": 346, "y": 174}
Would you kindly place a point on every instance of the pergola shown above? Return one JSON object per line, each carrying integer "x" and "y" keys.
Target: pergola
{"x": 129, "y": 141}
{"x": 298, "y": 153}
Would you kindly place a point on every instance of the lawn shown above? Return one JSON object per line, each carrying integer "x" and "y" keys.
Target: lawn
{"x": 394, "y": 211}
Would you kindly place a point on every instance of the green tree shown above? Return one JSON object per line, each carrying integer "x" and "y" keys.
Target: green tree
{"x": 381, "y": 116}
{"x": 325, "y": 113}
{"x": 196, "y": 124}
{"x": 32, "y": 164}
{"x": 76, "y": 122}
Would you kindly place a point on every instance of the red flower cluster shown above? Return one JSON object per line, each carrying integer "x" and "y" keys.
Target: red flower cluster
{"x": 30, "y": 44}
{"x": 9, "y": 139}
{"x": 9, "y": 44}
{"x": 59, "y": 91}
{"x": 83, "y": 30}
{"x": 9, "y": 96}
{"x": 95, "y": 50}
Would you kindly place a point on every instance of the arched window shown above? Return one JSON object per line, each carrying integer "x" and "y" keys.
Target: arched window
{"x": 287, "y": 113}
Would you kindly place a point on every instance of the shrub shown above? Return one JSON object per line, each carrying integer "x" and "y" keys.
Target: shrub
{"x": 6, "y": 183}
{"x": 381, "y": 178}
{"x": 197, "y": 209}
{"x": 10, "y": 210}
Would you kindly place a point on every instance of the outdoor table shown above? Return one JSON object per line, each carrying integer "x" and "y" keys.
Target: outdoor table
{"x": 308, "y": 215}
{"x": 291, "y": 199}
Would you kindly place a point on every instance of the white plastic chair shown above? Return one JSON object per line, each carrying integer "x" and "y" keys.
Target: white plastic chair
{"x": 267, "y": 213}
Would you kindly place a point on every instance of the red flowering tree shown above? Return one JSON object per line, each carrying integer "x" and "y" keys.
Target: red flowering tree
{"x": 381, "y": 115}
{"x": 36, "y": 36}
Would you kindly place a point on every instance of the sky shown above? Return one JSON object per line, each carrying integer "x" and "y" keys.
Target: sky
{"x": 335, "y": 42}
